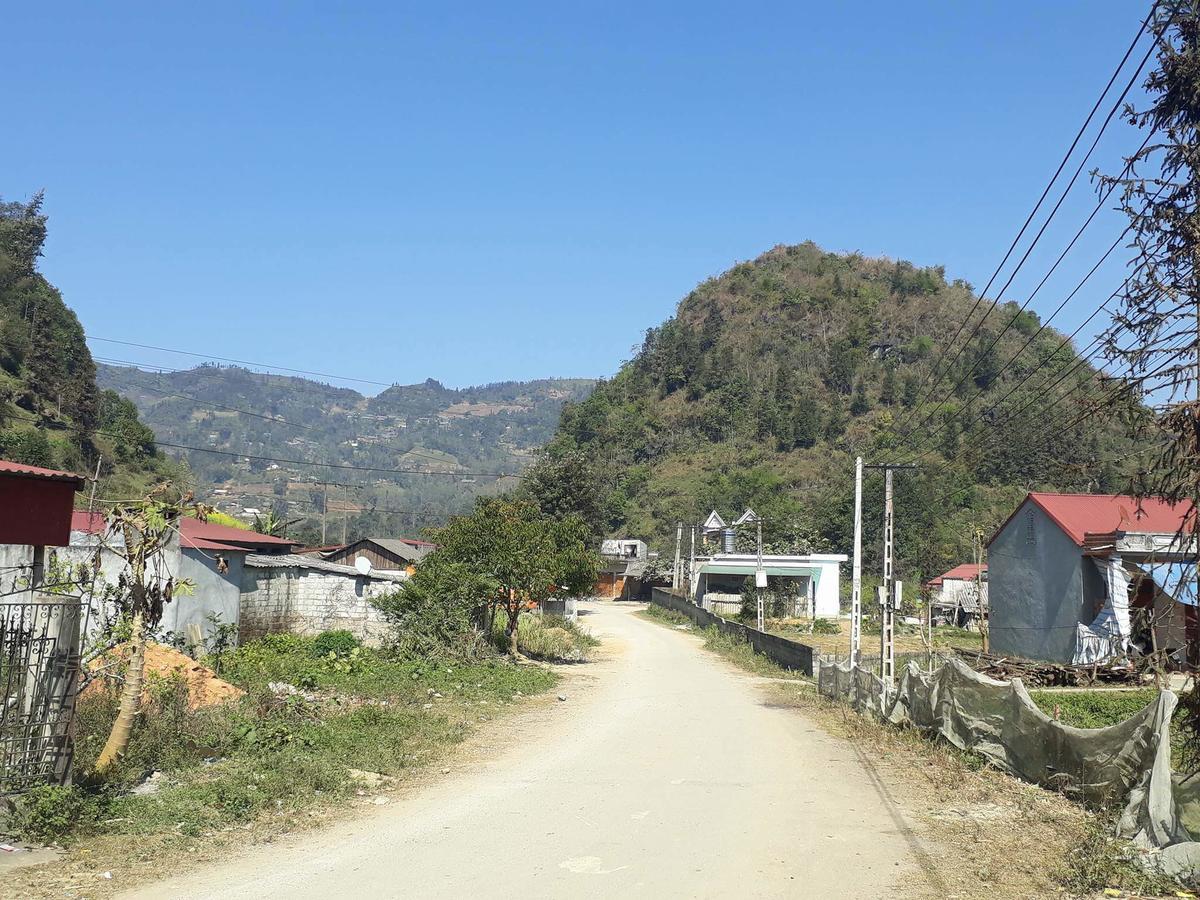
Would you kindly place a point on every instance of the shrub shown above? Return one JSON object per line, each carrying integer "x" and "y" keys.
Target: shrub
{"x": 339, "y": 643}
{"x": 547, "y": 637}
{"x": 825, "y": 626}
{"x": 439, "y": 610}
{"x": 47, "y": 811}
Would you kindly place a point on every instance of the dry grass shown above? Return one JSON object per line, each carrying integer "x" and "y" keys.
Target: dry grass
{"x": 996, "y": 836}
{"x": 944, "y": 639}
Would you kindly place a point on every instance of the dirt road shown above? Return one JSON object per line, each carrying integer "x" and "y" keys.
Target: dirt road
{"x": 663, "y": 774}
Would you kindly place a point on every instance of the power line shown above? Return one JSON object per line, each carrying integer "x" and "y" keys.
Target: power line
{"x": 999, "y": 335}
{"x": 937, "y": 368}
{"x": 1053, "y": 431}
{"x": 296, "y": 462}
{"x": 924, "y": 442}
{"x": 213, "y": 404}
{"x": 241, "y": 362}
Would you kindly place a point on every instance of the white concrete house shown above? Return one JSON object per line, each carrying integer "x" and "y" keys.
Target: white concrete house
{"x": 717, "y": 580}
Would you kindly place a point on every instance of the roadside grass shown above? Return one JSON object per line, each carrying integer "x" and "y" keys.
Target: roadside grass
{"x": 546, "y": 638}
{"x": 271, "y": 761}
{"x": 736, "y": 651}
{"x": 998, "y": 836}
{"x": 1093, "y": 709}
{"x": 908, "y": 638}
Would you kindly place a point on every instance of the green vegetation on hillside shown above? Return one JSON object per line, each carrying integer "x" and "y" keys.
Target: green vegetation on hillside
{"x": 233, "y": 410}
{"x": 51, "y": 411}
{"x": 770, "y": 378}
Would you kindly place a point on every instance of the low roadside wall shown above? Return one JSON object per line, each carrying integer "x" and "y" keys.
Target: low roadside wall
{"x": 788, "y": 654}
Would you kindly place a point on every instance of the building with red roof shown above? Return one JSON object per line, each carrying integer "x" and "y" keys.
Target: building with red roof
{"x": 955, "y": 596}
{"x": 1066, "y": 573}
{"x": 211, "y": 556}
{"x": 36, "y": 504}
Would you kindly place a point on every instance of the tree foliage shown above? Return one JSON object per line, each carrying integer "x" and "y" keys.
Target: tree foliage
{"x": 770, "y": 378}
{"x": 51, "y": 411}
{"x": 521, "y": 556}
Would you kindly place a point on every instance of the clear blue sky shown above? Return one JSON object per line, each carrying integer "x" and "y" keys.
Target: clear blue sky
{"x": 475, "y": 193}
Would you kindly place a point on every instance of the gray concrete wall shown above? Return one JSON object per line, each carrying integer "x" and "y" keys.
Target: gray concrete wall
{"x": 1035, "y": 588}
{"x": 788, "y": 654}
{"x": 309, "y": 601}
{"x": 215, "y": 594}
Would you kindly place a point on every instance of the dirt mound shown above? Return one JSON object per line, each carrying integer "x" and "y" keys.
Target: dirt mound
{"x": 203, "y": 685}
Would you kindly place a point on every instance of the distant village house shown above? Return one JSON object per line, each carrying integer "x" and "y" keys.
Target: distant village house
{"x": 959, "y": 597}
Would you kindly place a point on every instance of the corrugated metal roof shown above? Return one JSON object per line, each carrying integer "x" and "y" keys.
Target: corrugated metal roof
{"x": 90, "y": 523}
{"x": 194, "y": 533}
{"x": 14, "y": 468}
{"x": 964, "y": 572}
{"x": 194, "y": 530}
{"x": 296, "y": 561}
{"x": 1078, "y": 514}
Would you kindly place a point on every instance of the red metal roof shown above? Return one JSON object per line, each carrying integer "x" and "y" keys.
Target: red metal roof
{"x": 90, "y": 523}
{"x": 195, "y": 530}
{"x": 14, "y": 468}
{"x": 964, "y": 572}
{"x": 196, "y": 534}
{"x": 1079, "y": 514}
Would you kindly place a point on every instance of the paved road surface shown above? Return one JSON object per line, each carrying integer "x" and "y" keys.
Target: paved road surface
{"x": 663, "y": 775}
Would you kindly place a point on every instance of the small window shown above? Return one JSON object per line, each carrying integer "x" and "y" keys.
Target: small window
{"x": 1030, "y": 529}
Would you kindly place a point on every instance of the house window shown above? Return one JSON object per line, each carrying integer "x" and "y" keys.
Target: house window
{"x": 1030, "y": 529}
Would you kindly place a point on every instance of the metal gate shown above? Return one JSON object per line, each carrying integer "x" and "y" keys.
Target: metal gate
{"x": 39, "y": 680}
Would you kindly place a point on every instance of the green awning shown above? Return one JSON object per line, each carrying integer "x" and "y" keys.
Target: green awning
{"x": 793, "y": 571}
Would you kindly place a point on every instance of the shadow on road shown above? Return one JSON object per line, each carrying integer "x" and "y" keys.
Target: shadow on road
{"x": 924, "y": 861}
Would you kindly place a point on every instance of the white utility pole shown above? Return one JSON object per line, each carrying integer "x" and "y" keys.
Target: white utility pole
{"x": 675, "y": 571}
{"x": 887, "y": 620}
{"x": 856, "y": 576}
{"x": 691, "y": 565}
{"x": 760, "y": 577}
{"x": 888, "y": 594}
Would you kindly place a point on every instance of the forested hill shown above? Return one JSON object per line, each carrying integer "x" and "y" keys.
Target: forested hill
{"x": 261, "y": 436}
{"x": 770, "y": 378}
{"x": 51, "y": 411}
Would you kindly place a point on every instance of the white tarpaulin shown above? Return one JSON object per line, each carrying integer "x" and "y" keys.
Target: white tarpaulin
{"x": 1129, "y": 762}
{"x": 1108, "y": 635}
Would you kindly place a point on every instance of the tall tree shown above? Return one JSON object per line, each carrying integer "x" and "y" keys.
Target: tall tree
{"x": 140, "y": 533}
{"x": 1156, "y": 332}
{"x": 524, "y": 556}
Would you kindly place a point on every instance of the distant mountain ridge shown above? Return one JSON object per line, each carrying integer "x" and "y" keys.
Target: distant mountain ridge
{"x": 475, "y": 431}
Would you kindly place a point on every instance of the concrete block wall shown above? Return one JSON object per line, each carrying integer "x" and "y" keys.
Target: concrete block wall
{"x": 308, "y": 601}
{"x": 788, "y": 654}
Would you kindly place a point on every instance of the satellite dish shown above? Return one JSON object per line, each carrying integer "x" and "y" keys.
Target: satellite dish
{"x": 363, "y": 565}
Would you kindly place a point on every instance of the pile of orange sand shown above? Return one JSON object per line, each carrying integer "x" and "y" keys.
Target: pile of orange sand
{"x": 203, "y": 686}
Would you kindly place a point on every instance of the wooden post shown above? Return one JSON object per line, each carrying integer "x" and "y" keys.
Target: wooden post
{"x": 324, "y": 514}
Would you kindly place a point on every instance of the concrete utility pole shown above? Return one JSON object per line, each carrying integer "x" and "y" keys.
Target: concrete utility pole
{"x": 889, "y": 591}
{"x": 856, "y": 571}
{"x": 675, "y": 579}
{"x": 980, "y": 606}
{"x": 760, "y": 577}
{"x": 691, "y": 565}
{"x": 887, "y": 619}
